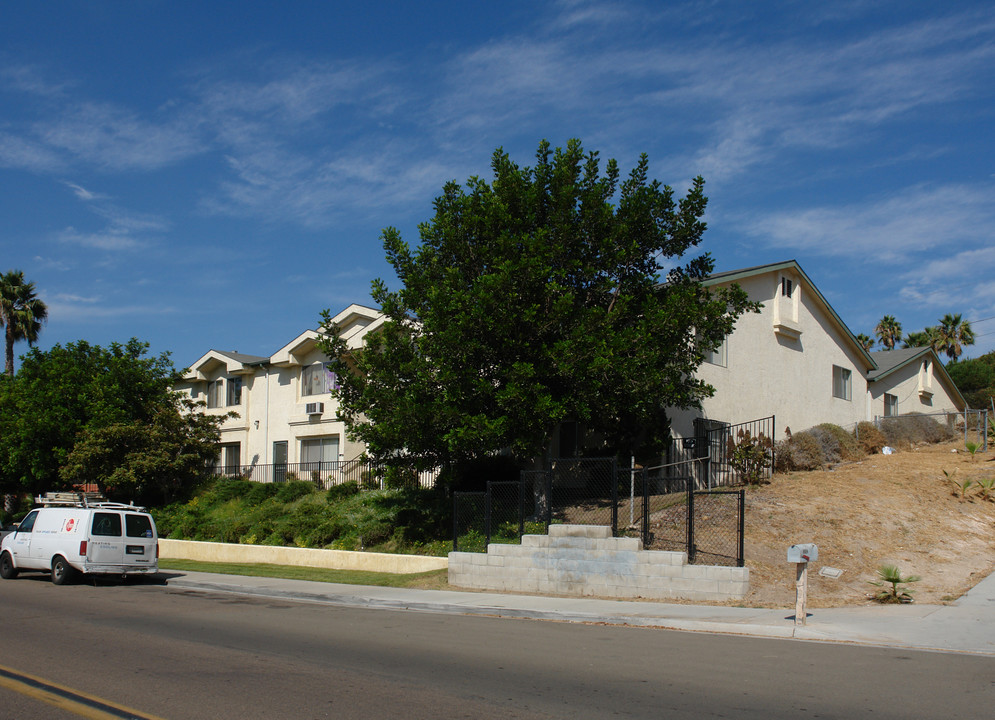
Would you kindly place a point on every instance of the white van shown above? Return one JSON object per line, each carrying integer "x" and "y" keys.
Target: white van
{"x": 89, "y": 538}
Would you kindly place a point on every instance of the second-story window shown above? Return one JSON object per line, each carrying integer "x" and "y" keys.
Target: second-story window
{"x": 317, "y": 379}
{"x": 215, "y": 390}
{"x": 234, "y": 391}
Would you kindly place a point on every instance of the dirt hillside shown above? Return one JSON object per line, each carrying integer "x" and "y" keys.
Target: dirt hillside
{"x": 898, "y": 509}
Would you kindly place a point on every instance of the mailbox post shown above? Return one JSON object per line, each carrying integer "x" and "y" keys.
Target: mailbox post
{"x": 801, "y": 555}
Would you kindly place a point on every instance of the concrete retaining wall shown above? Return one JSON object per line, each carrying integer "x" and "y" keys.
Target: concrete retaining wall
{"x": 305, "y": 557}
{"x": 587, "y": 560}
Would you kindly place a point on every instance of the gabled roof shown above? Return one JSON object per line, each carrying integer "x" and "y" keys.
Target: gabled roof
{"x": 890, "y": 361}
{"x": 732, "y": 276}
{"x": 234, "y": 363}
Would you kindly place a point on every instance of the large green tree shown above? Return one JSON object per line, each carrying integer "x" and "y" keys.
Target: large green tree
{"x": 83, "y": 413}
{"x": 975, "y": 378}
{"x": 533, "y": 299}
{"x": 21, "y": 314}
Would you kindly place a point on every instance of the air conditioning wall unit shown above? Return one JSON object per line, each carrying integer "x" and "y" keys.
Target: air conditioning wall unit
{"x": 315, "y": 408}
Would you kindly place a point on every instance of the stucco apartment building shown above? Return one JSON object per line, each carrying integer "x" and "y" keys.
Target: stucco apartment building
{"x": 287, "y": 418}
{"x": 796, "y": 360}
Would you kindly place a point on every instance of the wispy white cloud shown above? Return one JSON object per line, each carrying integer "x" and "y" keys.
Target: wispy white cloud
{"x": 24, "y": 154}
{"x": 894, "y": 229}
{"x": 99, "y": 240}
{"x": 116, "y": 138}
{"x": 82, "y": 193}
{"x": 124, "y": 230}
{"x": 31, "y": 80}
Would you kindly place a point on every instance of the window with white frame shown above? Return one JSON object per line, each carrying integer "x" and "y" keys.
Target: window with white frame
{"x": 317, "y": 379}
{"x": 890, "y": 405}
{"x": 215, "y": 393}
{"x": 786, "y": 287}
{"x": 321, "y": 450}
{"x": 234, "y": 391}
{"x": 720, "y": 355}
{"x": 841, "y": 382}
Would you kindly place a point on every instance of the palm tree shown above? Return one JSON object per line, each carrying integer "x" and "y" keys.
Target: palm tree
{"x": 889, "y": 331}
{"x": 865, "y": 341}
{"x": 21, "y": 312}
{"x": 924, "y": 338}
{"x": 952, "y": 334}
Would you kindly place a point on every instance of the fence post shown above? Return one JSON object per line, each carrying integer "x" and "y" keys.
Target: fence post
{"x": 614, "y": 481}
{"x": 646, "y": 510}
{"x": 690, "y": 505}
{"x": 741, "y": 558}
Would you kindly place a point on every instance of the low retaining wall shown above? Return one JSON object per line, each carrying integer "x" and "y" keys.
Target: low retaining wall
{"x": 587, "y": 560}
{"x": 304, "y": 557}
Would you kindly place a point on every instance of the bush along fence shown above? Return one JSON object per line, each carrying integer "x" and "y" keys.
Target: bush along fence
{"x": 938, "y": 426}
{"x": 325, "y": 474}
{"x": 679, "y": 505}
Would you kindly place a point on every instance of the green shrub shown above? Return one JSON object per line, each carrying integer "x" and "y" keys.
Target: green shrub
{"x": 343, "y": 490}
{"x": 750, "y": 456}
{"x": 870, "y": 439}
{"x": 288, "y": 492}
{"x": 226, "y": 488}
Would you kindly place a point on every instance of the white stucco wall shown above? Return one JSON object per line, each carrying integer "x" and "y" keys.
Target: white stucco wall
{"x": 780, "y": 362}
{"x": 918, "y": 390}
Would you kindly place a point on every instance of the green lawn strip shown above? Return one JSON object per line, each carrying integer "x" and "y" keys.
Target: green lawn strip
{"x": 429, "y": 579}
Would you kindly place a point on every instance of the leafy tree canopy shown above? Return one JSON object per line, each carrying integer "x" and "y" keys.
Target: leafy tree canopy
{"x": 975, "y": 378}
{"x": 533, "y": 299}
{"x": 82, "y": 413}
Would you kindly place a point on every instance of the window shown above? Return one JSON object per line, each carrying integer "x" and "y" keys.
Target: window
{"x": 230, "y": 455}
{"x": 215, "y": 392}
{"x": 139, "y": 526}
{"x": 841, "y": 382}
{"x": 720, "y": 355}
{"x": 317, "y": 380}
{"x": 890, "y": 405}
{"x": 106, "y": 524}
{"x": 28, "y": 523}
{"x": 234, "y": 391}
{"x": 785, "y": 287}
{"x": 320, "y": 450}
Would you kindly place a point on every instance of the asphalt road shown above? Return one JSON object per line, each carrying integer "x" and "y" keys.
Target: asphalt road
{"x": 179, "y": 654}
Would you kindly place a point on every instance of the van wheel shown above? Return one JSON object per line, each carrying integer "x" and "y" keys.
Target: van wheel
{"x": 62, "y": 572}
{"x": 7, "y": 569}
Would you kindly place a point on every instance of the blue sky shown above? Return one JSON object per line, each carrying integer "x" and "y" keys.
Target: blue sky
{"x": 213, "y": 175}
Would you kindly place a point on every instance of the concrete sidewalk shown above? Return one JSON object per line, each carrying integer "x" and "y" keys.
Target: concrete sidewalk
{"x": 968, "y": 625}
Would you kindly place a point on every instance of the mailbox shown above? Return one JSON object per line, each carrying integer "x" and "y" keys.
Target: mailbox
{"x": 806, "y": 552}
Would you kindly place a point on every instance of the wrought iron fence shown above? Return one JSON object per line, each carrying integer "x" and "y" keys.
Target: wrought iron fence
{"x": 663, "y": 508}
{"x": 367, "y": 474}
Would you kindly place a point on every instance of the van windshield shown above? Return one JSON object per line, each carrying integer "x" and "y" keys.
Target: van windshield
{"x": 138, "y": 525}
{"x": 107, "y": 524}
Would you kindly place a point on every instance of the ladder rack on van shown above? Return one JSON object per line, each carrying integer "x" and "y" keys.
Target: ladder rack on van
{"x": 85, "y": 500}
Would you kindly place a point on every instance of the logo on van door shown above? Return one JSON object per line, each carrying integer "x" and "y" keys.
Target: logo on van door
{"x": 69, "y": 525}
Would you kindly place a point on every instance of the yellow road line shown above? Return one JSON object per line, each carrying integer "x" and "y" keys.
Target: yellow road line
{"x": 73, "y": 701}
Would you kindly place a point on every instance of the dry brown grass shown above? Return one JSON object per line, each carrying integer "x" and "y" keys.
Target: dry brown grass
{"x": 885, "y": 509}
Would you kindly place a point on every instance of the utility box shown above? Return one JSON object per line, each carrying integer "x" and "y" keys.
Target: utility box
{"x": 803, "y": 553}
